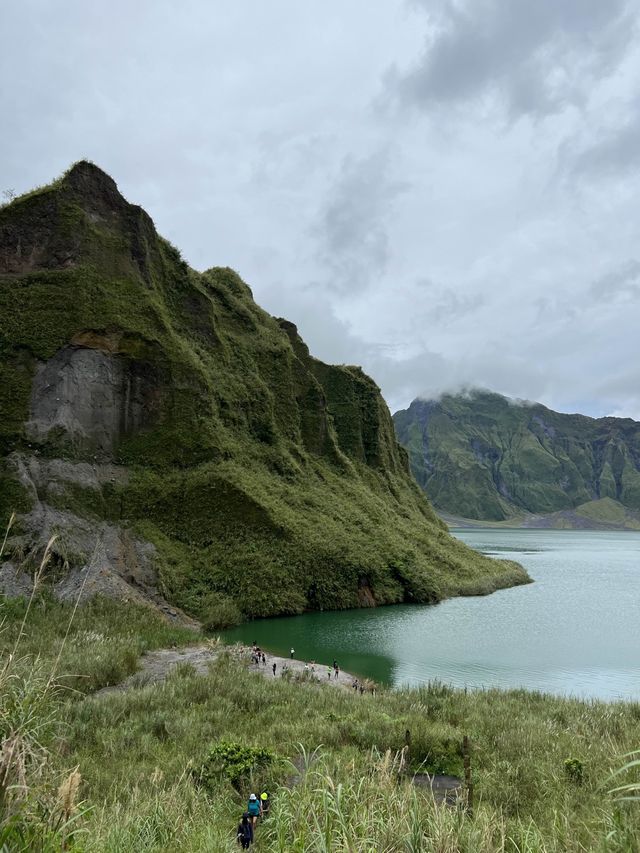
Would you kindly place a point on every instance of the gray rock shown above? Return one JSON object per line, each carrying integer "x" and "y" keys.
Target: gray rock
{"x": 91, "y": 398}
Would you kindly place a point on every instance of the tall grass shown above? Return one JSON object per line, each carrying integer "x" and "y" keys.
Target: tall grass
{"x": 39, "y": 639}
{"x": 340, "y": 783}
{"x": 629, "y": 790}
{"x": 32, "y": 814}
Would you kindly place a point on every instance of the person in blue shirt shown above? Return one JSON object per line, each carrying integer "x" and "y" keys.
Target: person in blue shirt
{"x": 253, "y": 808}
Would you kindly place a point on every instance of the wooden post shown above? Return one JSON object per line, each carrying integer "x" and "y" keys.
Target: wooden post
{"x": 468, "y": 784}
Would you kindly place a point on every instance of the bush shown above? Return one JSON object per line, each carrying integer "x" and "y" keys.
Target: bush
{"x": 218, "y": 611}
{"x": 574, "y": 770}
{"x": 234, "y": 762}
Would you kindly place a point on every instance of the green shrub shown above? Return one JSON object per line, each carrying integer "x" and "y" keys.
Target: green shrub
{"x": 234, "y": 762}
{"x": 218, "y": 611}
{"x": 574, "y": 770}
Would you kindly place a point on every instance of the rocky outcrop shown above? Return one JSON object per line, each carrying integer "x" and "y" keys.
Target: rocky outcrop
{"x": 184, "y": 446}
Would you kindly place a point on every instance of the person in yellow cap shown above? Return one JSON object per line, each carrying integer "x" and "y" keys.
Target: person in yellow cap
{"x": 264, "y": 803}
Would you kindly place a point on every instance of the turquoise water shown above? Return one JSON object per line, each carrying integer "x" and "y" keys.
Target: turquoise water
{"x": 576, "y": 630}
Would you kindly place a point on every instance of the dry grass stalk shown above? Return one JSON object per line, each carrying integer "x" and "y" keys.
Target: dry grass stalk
{"x": 36, "y": 582}
{"x": 68, "y": 792}
{"x": 13, "y": 771}
{"x": 6, "y": 533}
{"x": 73, "y": 614}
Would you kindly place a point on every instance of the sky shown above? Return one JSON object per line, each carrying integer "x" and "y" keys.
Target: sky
{"x": 445, "y": 192}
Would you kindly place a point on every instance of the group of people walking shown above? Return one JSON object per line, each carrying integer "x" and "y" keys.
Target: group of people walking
{"x": 256, "y": 808}
{"x": 257, "y": 655}
{"x": 361, "y": 686}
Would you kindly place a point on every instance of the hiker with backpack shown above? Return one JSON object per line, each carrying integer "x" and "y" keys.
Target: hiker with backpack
{"x": 244, "y": 833}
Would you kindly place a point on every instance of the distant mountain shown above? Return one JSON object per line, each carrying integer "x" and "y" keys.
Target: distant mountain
{"x": 483, "y": 456}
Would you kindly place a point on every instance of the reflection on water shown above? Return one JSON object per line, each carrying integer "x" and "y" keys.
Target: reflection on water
{"x": 314, "y": 637}
{"x": 574, "y": 631}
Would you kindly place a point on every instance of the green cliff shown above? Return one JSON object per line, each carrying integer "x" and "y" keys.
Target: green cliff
{"x": 182, "y": 444}
{"x": 483, "y": 456}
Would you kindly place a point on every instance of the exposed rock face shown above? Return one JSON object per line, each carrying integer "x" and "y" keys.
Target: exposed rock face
{"x": 182, "y": 444}
{"x": 92, "y": 398}
{"x": 90, "y": 557}
{"x": 482, "y": 456}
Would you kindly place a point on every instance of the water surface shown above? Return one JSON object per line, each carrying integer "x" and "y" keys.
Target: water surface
{"x": 576, "y": 630}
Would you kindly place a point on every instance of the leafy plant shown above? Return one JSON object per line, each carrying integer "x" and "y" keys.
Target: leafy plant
{"x": 574, "y": 770}
{"x": 234, "y": 762}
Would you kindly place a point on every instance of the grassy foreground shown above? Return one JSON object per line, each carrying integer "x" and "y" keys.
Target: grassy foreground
{"x": 123, "y": 772}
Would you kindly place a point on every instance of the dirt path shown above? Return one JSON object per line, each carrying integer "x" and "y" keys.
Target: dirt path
{"x": 156, "y": 665}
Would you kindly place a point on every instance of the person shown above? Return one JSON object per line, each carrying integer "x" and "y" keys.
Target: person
{"x": 336, "y": 671}
{"x": 253, "y": 808}
{"x": 244, "y": 833}
{"x": 329, "y": 672}
{"x": 264, "y": 802}
{"x": 274, "y": 668}
{"x": 264, "y": 660}
{"x": 292, "y": 653}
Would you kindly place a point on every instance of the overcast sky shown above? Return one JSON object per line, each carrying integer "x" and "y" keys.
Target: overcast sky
{"x": 446, "y": 192}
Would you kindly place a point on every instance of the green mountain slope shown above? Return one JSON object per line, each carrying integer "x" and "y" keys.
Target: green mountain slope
{"x": 483, "y": 456}
{"x": 182, "y": 444}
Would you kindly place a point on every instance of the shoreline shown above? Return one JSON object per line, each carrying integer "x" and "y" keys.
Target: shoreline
{"x": 313, "y": 671}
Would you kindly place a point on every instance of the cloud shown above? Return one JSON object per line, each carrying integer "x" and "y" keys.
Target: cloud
{"x": 533, "y": 57}
{"x": 352, "y": 228}
{"x": 614, "y": 152}
{"x": 443, "y": 243}
{"x": 621, "y": 283}
{"x": 446, "y": 305}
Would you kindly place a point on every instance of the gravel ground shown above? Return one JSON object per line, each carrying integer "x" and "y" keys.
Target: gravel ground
{"x": 155, "y": 666}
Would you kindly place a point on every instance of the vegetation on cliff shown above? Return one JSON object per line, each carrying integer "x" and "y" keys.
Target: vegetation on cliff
{"x": 482, "y": 456}
{"x": 218, "y": 462}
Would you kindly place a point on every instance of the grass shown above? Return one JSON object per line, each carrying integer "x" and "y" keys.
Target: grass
{"x": 104, "y": 642}
{"x": 336, "y": 784}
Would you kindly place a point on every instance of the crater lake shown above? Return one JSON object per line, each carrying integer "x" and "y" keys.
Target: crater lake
{"x": 574, "y": 631}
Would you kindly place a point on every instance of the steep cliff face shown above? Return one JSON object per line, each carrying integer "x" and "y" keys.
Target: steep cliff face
{"x": 182, "y": 442}
{"x": 483, "y": 456}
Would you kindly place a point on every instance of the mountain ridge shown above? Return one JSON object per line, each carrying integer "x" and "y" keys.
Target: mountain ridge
{"x": 482, "y": 456}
